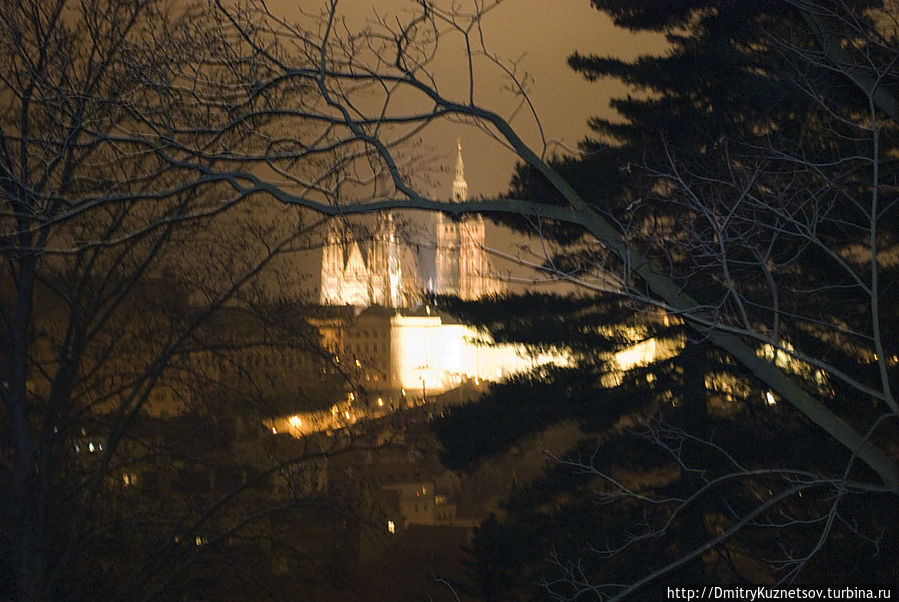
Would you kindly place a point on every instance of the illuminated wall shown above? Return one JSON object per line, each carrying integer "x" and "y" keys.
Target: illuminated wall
{"x": 427, "y": 354}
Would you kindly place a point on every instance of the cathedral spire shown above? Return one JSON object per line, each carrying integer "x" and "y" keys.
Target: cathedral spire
{"x": 460, "y": 187}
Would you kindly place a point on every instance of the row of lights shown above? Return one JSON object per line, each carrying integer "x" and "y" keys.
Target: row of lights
{"x": 295, "y": 422}
{"x": 90, "y": 447}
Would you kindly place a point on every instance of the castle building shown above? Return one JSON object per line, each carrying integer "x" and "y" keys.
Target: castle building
{"x": 461, "y": 264}
{"x": 374, "y": 269}
{"x": 362, "y": 270}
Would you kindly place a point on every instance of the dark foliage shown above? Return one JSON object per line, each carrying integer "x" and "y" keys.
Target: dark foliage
{"x": 736, "y": 168}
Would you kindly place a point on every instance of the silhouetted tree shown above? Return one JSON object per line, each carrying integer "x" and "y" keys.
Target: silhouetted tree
{"x": 754, "y": 178}
{"x": 140, "y": 315}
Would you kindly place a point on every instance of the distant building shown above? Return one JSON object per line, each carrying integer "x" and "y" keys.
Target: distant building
{"x": 359, "y": 270}
{"x": 461, "y": 264}
{"x": 363, "y": 268}
{"x": 420, "y": 349}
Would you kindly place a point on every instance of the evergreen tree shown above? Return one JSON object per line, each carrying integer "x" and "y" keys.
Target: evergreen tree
{"x": 675, "y": 453}
{"x": 748, "y": 172}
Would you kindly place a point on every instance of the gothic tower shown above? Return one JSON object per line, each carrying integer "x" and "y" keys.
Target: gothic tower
{"x": 446, "y": 257}
{"x": 460, "y": 186}
{"x": 386, "y": 269}
{"x": 332, "y": 267}
{"x": 360, "y": 269}
{"x": 394, "y": 265}
{"x": 461, "y": 266}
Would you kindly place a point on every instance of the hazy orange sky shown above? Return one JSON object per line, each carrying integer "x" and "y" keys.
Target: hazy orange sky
{"x": 541, "y": 34}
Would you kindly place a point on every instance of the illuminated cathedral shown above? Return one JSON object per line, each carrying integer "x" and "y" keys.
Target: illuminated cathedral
{"x": 364, "y": 270}
{"x": 461, "y": 265}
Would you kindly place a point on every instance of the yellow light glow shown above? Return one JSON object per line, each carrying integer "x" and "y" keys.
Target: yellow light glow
{"x": 637, "y": 355}
{"x": 391, "y": 527}
{"x": 426, "y": 357}
{"x": 769, "y": 397}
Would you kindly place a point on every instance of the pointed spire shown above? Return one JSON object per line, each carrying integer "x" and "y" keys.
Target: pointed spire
{"x": 460, "y": 187}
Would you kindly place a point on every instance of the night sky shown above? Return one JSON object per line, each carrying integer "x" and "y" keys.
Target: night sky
{"x": 539, "y": 35}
